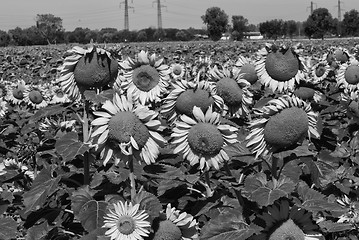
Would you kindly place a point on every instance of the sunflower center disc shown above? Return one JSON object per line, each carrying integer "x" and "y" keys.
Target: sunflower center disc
{"x": 286, "y": 128}
{"x": 229, "y": 90}
{"x": 177, "y": 69}
{"x": 59, "y": 93}
{"x": 304, "y": 93}
{"x": 282, "y": 67}
{"x": 95, "y": 70}
{"x": 352, "y": 74}
{"x": 205, "y": 139}
{"x": 250, "y": 73}
{"x": 319, "y": 71}
{"x": 18, "y": 94}
{"x": 126, "y": 225}
{"x": 341, "y": 56}
{"x": 145, "y": 77}
{"x": 288, "y": 231}
{"x": 167, "y": 230}
{"x": 123, "y": 125}
{"x": 35, "y": 97}
{"x": 354, "y": 108}
{"x": 190, "y": 98}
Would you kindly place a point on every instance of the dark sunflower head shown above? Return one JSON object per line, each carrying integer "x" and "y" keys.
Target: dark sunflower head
{"x": 231, "y": 93}
{"x": 352, "y": 74}
{"x": 193, "y": 97}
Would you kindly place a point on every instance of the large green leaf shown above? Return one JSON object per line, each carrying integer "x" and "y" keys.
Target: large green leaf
{"x": 86, "y": 209}
{"x": 46, "y": 112}
{"x": 69, "y": 146}
{"x": 43, "y": 186}
{"x": 227, "y": 226}
{"x": 258, "y": 189}
{"x": 8, "y": 228}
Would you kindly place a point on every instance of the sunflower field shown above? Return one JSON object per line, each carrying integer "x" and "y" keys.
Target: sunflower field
{"x": 180, "y": 141}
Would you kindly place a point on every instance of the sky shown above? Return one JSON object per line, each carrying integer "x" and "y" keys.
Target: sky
{"x": 181, "y": 14}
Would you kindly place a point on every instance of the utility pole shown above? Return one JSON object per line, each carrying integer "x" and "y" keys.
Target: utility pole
{"x": 339, "y": 11}
{"x": 159, "y": 13}
{"x": 312, "y": 7}
{"x": 127, "y": 25}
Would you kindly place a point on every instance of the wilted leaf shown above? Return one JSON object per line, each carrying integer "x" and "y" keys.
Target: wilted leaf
{"x": 43, "y": 186}
{"x": 69, "y": 146}
{"x": 264, "y": 192}
{"x": 227, "y": 226}
{"x": 8, "y": 228}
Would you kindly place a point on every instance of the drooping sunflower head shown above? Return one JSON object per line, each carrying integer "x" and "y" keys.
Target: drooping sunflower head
{"x": 127, "y": 129}
{"x": 280, "y": 68}
{"x": 348, "y": 75}
{"x": 93, "y": 68}
{"x": 282, "y": 123}
{"x": 234, "y": 90}
{"x": 247, "y": 67}
{"x": 126, "y": 221}
{"x": 281, "y": 221}
{"x": 16, "y": 92}
{"x": 201, "y": 139}
{"x": 174, "y": 225}
{"x": 186, "y": 95}
{"x": 146, "y": 78}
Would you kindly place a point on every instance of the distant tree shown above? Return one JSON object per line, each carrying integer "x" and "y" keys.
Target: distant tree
{"x": 318, "y": 23}
{"x": 252, "y": 28}
{"x": 272, "y": 28}
{"x": 336, "y": 28}
{"x": 19, "y": 37}
{"x": 141, "y": 36}
{"x": 290, "y": 28}
{"x": 182, "y": 35}
{"x": 216, "y": 21}
{"x": 34, "y": 37}
{"x": 4, "y": 39}
{"x": 350, "y": 23}
{"x": 159, "y": 35}
{"x": 50, "y": 27}
{"x": 239, "y": 26}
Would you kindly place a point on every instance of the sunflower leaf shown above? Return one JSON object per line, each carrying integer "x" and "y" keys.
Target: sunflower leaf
{"x": 258, "y": 189}
{"x": 99, "y": 98}
{"x": 69, "y": 146}
{"x": 46, "y": 112}
{"x": 229, "y": 225}
{"x": 86, "y": 209}
{"x": 149, "y": 202}
{"x": 8, "y": 228}
{"x": 329, "y": 226}
{"x": 43, "y": 186}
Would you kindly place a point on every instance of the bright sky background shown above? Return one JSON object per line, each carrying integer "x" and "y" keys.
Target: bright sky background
{"x": 182, "y": 14}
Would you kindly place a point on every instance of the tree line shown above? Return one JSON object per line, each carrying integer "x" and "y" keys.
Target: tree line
{"x": 49, "y": 30}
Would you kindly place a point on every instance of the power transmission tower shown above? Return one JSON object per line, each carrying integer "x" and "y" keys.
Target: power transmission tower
{"x": 127, "y": 25}
{"x": 159, "y": 13}
{"x": 339, "y": 10}
{"x": 312, "y": 7}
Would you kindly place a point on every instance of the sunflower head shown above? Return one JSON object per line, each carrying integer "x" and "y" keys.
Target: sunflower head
{"x": 282, "y": 64}
{"x": 341, "y": 55}
{"x": 304, "y": 93}
{"x": 352, "y": 74}
{"x": 228, "y": 89}
{"x": 249, "y": 72}
{"x": 166, "y": 229}
{"x": 95, "y": 69}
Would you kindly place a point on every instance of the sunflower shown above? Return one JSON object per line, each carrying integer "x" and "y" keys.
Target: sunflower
{"x": 352, "y": 214}
{"x": 186, "y": 95}
{"x": 247, "y": 67}
{"x": 201, "y": 140}
{"x": 280, "y": 68}
{"x": 175, "y": 225}
{"x": 282, "y": 123}
{"x": 178, "y": 70}
{"x": 58, "y": 95}
{"x": 93, "y": 68}
{"x": 234, "y": 91}
{"x": 280, "y": 221}
{"x": 319, "y": 71}
{"x": 337, "y": 56}
{"x": 3, "y": 108}
{"x": 351, "y": 102}
{"x": 16, "y": 93}
{"x": 124, "y": 129}
{"x": 126, "y": 221}
{"x": 348, "y": 75}
{"x": 308, "y": 93}
{"x": 146, "y": 78}
{"x": 35, "y": 96}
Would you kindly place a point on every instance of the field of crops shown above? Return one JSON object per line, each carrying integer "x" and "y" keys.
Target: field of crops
{"x": 186, "y": 140}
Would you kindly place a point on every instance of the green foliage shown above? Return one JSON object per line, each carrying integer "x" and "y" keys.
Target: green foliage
{"x": 50, "y": 27}
{"x": 350, "y": 23}
{"x": 217, "y": 22}
{"x": 318, "y": 23}
{"x": 239, "y": 26}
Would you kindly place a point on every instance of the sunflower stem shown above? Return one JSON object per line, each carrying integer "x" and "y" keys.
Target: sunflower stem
{"x": 85, "y": 134}
{"x": 274, "y": 167}
{"x": 132, "y": 178}
{"x": 207, "y": 184}
{"x": 237, "y": 192}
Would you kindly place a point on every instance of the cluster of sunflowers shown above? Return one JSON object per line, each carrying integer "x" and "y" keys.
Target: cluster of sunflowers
{"x": 195, "y": 110}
